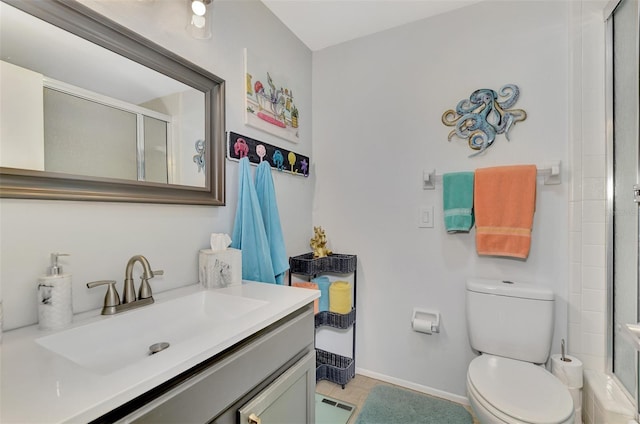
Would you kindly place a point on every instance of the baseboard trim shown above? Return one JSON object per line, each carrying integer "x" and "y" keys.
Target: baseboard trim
{"x": 413, "y": 386}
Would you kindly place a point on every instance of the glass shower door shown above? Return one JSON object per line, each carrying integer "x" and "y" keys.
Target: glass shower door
{"x": 623, "y": 25}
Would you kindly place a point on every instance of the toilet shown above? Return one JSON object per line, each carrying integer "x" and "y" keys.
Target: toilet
{"x": 511, "y": 325}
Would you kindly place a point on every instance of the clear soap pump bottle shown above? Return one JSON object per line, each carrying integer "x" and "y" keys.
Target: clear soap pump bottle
{"x": 54, "y": 297}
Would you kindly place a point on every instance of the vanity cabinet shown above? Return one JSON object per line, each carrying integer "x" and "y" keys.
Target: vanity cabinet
{"x": 269, "y": 377}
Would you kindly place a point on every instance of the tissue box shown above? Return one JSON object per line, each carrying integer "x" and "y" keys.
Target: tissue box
{"x": 220, "y": 268}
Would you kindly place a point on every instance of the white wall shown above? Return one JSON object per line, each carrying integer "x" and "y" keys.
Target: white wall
{"x": 102, "y": 236}
{"x": 187, "y": 127}
{"x": 21, "y": 117}
{"x": 378, "y": 103}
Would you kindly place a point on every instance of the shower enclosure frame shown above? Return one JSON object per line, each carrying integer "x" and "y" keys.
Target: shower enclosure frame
{"x": 610, "y": 112}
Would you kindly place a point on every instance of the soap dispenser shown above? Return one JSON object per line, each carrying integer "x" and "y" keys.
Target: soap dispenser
{"x": 54, "y": 297}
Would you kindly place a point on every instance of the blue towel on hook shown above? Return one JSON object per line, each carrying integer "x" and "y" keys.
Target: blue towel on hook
{"x": 249, "y": 234}
{"x": 267, "y": 199}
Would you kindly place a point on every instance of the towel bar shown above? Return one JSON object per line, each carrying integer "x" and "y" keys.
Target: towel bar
{"x": 550, "y": 171}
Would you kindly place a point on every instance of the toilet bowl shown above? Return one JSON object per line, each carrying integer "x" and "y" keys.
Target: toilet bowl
{"x": 511, "y": 325}
{"x": 503, "y": 390}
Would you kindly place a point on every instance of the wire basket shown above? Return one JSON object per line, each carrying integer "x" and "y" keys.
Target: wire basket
{"x": 336, "y": 262}
{"x": 333, "y": 367}
{"x": 335, "y": 320}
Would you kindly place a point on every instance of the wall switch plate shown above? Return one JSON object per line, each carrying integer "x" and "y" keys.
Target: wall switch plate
{"x": 425, "y": 217}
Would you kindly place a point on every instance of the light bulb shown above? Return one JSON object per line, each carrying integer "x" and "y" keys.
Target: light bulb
{"x": 198, "y": 21}
{"x": 198, "y": 7}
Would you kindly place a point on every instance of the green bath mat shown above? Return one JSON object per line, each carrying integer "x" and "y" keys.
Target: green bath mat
{"x": 391, "y": 405}
{"x": 332, "y": 411}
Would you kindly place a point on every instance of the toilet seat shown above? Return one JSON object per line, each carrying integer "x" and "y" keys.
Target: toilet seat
{"x": 485, "y": 413}
{"x": 497, "y": 385}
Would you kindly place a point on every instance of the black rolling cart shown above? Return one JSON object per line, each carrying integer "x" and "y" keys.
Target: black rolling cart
{"x": 331, "y": 366}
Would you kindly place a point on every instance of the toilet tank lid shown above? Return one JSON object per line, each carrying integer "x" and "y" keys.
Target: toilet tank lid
{"x": 509, "y": 288}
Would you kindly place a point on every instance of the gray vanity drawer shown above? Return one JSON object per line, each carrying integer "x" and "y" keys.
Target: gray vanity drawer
{"x": 211, "y": 391}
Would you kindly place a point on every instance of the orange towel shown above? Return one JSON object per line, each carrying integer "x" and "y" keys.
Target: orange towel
{"x": 312, "y": 286}
{"x": 504, "y": 203}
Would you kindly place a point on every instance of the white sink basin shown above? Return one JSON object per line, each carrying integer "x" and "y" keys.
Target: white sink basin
{"x": 122, "y": 340}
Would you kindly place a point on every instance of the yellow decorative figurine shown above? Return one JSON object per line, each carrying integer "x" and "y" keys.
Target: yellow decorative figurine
{"x": 318, "y": 243}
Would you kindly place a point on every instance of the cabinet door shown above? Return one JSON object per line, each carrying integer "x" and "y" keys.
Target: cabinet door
{"x": 290, "y": 399}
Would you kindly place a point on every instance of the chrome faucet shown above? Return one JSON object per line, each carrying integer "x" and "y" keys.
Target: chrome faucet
{"x": 112, "y": 303}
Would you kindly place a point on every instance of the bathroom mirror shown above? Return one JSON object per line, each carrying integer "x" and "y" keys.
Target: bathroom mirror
{"x": 93, "y": 111}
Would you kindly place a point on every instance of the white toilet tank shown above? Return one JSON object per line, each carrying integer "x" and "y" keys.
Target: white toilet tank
{"x": 509, "y": 319}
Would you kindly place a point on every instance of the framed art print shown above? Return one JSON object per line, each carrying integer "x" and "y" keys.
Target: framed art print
{"x": 270, "y": 99}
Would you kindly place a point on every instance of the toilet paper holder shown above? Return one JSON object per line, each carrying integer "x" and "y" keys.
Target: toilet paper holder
{"x": 425, "y": 321}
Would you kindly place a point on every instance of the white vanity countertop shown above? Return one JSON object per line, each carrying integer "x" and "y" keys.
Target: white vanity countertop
{"x": 40, "y": 386}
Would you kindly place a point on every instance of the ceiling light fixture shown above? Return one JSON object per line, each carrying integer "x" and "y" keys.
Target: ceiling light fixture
{"x": 199, "y": 25}
{"x": 199, "y": 7}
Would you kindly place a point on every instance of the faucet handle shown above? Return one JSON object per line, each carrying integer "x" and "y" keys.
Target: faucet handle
{"x": 111, "y": 298}
{"x": 145, "y": 289}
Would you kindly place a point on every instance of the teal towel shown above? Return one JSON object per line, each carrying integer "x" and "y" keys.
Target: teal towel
{"x": 249, "y": 234}
{"x": 271, "y": 218}
{"x": 323, "y": 285}
{"x": 457, "y": 199}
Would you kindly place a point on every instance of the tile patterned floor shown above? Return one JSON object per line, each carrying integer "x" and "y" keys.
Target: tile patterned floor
{"x": 355, "y": 392}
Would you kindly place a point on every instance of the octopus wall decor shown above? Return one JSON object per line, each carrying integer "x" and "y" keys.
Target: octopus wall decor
{"x": 199, "y": 157}
{"x": 484, "y": 115}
